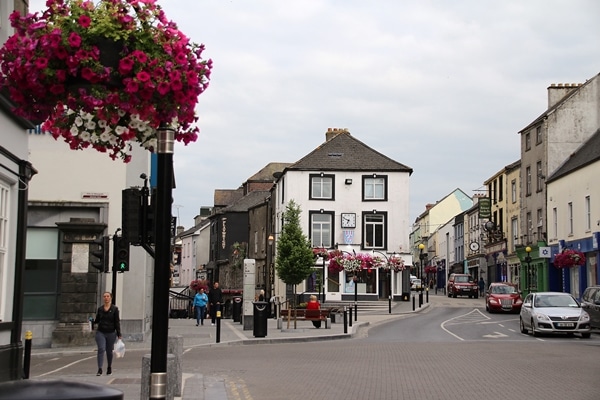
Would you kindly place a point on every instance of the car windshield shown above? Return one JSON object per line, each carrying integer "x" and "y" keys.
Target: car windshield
{"x": 503, "y": 289}
{"x": 462, "y": 279}
{"x": 555, "y": 301}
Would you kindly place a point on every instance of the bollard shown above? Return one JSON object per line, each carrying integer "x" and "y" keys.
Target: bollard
{"x": 355, "y": 310}
{"x": 350, "y": 320}
{"x": 413, "y": 297}
{"x": 218, "y": 317}
{"x": 420, "y": 299}
{"x": 27, "y": 358}
{"x": 345, "y": 320}
{"x": 427, "y": 295}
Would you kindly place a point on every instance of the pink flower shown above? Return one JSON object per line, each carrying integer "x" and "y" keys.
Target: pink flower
{"x": 74, "y": 39}
{"x": 84, "y": 21}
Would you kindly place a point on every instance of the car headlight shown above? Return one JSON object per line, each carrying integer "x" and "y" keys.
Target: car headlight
{"x": 492, "y": 300}
{"x": 542, "y": 317}
{"x": 584, "y": 317}
{"x": 518, "y": 301}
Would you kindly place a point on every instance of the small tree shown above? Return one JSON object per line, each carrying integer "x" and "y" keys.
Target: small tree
{"x": 295, "y": 259}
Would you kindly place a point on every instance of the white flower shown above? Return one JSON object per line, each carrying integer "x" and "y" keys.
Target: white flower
{"x": 91, "y": 125}
{"x": 102, "y": 123}
{"x": 74, "y": 130}
{"x": 78, "y": 121}
{"x": 120, "y": 130}
{"x": 105, "y": 136}
{"x": 85, "y": 136}
{"x": 121, "y": 113}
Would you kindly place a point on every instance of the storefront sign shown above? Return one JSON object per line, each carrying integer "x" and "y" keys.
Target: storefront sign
{"x": 485, "y": 208}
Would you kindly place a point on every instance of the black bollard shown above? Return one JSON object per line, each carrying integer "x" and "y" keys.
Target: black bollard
{"x": 345, "y": 320}
{"x": 427, "y": 295}
{"x": 27, "y": 356}
{"x": 420, "y": 299}
{"x": 413, "y": 296}
{"x": 218, "y": 317}
{"x": 350, "y": 320}
{"x": 355, "y": 310}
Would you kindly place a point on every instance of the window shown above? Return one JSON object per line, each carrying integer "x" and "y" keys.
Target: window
{"x": 555, "y": 222}
{"x": 588, "y": 214}
{"x": 514, "y": 227}
{"x": 528, "y": 181}
{"x": 528, "y": 227}
{"x": 374, "y": 230}
{"x": 321, "y": 229}
{"x": 374, "y": 187}
{"x": 41, "y": 278}
{"x": 500, "y": 188}
{"x": 527, "y": 142}
{"x": 321, "y": 187}
{"x": 539, "y": 177}
{"x": 513, "y": 190}
{"x": 4, "y": 207}
{"x": 538, "y": 135}
{"x": 570, "y": 215}
{"x": 540, "y": 224}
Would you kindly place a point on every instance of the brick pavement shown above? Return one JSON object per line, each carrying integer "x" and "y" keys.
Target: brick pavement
{"x": 196, "y": 386}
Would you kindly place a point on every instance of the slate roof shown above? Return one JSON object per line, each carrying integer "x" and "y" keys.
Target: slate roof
{"x": 248, "y": 201}
{"x": 586, "y": 154}
{"x": 344, "y": 152}
{"x": 266, "y": 173}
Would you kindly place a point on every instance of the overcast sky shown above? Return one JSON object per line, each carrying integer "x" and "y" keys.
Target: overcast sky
{"x": 440, "y": 86}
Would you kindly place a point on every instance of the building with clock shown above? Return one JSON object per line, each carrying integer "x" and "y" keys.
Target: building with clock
{"x": 354, "y": 199}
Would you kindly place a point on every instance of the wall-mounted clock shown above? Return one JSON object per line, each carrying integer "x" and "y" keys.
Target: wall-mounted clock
{"x": 474, "y": 246}
{"x": 348, "y": 220}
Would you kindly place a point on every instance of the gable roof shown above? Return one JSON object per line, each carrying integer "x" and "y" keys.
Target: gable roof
{"x": 248, "y": 201}
{"x": 587, "y": 153}
{"x": 343, "y": 152}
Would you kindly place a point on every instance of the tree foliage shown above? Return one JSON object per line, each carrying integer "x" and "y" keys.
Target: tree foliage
{"x": 295, "y": 259}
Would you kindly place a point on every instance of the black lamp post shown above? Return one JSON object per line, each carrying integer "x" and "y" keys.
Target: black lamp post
{"x": 528, "y": 261}
{"x": 422, "y": 257}
{"x": 389, "y": 279}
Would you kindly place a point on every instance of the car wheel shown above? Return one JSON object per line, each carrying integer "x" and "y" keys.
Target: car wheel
{"x": 533, "y": 331}
{"x": 487, "y": 308}
{"x": 454, "y": 295}
{"x": 522, "y": 326}
{"x": 586, "y": 335}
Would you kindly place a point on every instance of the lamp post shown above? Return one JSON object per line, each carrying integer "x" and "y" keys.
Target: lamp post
{"x": 389, "y": 279}
{"x": 422, "y": 257}
{"x": 528, "y": 261}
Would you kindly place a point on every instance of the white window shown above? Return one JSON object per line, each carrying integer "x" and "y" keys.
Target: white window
{"x": 321, "y": 187}
{"x": 555, "y": 222}
{"x": 374, "y": 228}
{"x": 4, "y": 207}
{"x": 321, "y": 229}
{"x": 374, "y": 188}
{"x": 588, "y": 214}
{"x": 570, "y": 214}
{"x": 513, "y": 190}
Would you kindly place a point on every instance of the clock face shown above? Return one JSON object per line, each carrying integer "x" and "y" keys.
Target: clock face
{"x": 474, "y": 246}
{"x": 348, "y": 220}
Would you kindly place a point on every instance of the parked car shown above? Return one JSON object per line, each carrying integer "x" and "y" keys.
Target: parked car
{"x": 553, "y": 312}
{"x": 416, "y": 284}
{"x": 590, "y": 302}
{"x": 462, "y": 285}
{"x": 504, "y": 297}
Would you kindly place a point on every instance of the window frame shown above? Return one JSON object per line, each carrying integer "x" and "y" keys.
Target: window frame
{"x": 322, "y": 176}
{"x": 331, "y": 221}
{"x": 384, "y": 228}
{"x": 364, "y": 181}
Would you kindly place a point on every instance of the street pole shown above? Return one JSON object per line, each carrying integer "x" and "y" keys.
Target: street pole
{"x": 528, "y": 261}
{"x": 160, "y": 315}
{"x": 355, "y": 279}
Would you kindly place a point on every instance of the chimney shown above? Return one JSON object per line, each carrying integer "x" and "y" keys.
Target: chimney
{"x": 333, "y": 132}
{"x": 557, "y": 91}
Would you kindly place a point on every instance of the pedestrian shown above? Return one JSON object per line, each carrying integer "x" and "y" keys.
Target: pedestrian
{"x": 481, "y": 284}
{"x": 200, "y": 301}
{"x": 215, "y": 299}
{"x": 313, "y": 304}
{"x": 261, "y": 295}
{"x": 109, "y": 329}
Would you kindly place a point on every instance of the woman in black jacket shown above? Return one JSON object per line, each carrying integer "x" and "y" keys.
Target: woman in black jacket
{"x": 109, "y": 329}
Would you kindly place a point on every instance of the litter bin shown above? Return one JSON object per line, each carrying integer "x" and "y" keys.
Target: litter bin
{"x": 261, "y": 314}
{"x": 56, "y": 390}
{"x": 237, "y": 309}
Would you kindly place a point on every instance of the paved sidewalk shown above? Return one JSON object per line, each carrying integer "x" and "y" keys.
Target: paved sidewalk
{"x": 195, "y": 386}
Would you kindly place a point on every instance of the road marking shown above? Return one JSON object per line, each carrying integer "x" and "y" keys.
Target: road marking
{"x": 66, "y": 366}
{"x": 234, "y": 330}
{"x": 472, "y": 316}
{"x": 496, "y": 335}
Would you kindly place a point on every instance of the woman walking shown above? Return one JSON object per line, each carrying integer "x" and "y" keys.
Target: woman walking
{"x": 109, "y": 329}
{"x": 200, "y": 300}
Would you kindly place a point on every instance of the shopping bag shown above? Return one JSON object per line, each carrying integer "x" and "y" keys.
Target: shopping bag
{"x": 119, "y": 349}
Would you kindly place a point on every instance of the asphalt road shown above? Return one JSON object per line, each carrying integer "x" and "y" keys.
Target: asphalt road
{"x": 447, "y": 352}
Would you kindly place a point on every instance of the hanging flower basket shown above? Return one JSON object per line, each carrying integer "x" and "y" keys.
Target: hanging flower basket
{"x": 104, "y": 76}
{"x": 569, "y": 258}
{"x": 430, "y": 269}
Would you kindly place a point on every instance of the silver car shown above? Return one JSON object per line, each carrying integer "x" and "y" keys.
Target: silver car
{"x": 553, "y": 312}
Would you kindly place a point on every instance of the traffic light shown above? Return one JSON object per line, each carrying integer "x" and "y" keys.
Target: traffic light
{"x": 101, "y": 253}
{"x": 131, "y": 215}
{"x": 121, "y": 254}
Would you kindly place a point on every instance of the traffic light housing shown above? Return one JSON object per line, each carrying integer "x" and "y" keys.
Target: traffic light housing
{"x": 132, "y": 214}
{"x": 121, "y": 254}
{"x": 101, "y": 253}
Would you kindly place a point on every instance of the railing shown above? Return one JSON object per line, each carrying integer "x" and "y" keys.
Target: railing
{"x": 180, "y": 303}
